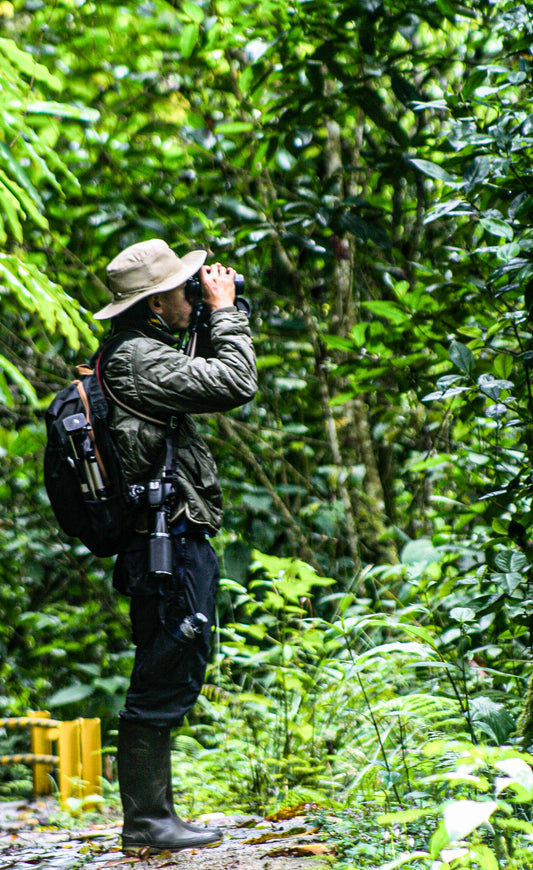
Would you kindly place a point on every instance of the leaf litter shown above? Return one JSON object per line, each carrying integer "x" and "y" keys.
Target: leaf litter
{"x": 282, "y": 841}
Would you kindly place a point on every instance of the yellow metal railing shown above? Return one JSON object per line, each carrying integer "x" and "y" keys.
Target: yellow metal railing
{"x": 78, "y": 759}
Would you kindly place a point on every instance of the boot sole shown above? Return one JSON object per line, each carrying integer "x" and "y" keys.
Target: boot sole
{"x": 146, "y": 849}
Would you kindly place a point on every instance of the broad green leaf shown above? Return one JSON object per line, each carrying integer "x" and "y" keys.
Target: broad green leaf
{"x": 6, "y": 396}
{"x": 420, "y": 550}
{"x": 433, "y": 170}
{"x": 404, "y": 859}
{"x": 194, "y": 11}
{"x": 462, "y": 614}
{"x": 406, "y": 816}
{"x": 233, "y": 127}
{"x": 58, "y": 110}
{"x": 484, "y": 856}
{"x": 461, "y": 356}
{"x": 431, "y": 462}
{"x": 464, "y": 816}
{"x": 269, "y": 361}
{"x": 290, "y": 384}
{"x": 439, "y": 840}
{"x": 389, "y": 310}
{"x": 188, "y": 39}
{"x": 476, "y": 173}
{"x": 70, "y": 695}
{"x": 497, "y": 228}
{"x": 20, "y": 381}
{"x": 25, "y": 203}
{"x": 19, "y": 174}
{"x": 518, "y": 776}
{"x": 441, "y": 395}
{"x": 26, "y": 63}
{"x": 11, "y": 207}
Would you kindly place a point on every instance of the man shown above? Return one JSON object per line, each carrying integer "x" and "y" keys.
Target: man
{"x": 153, "y": 387}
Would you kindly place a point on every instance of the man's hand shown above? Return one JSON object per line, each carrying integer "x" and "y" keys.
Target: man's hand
{"x": 218, "y": 286}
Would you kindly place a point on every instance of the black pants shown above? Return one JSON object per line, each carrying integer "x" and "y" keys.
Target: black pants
{"x": 168, "y": 673}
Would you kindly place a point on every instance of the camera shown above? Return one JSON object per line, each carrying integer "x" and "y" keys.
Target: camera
{"x": 160, "y": 493}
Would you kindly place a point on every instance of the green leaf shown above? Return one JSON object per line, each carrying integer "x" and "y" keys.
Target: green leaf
{"x": 441, "y": 395}
{"x": 6, "y": 396}
{"x": 194, "y": 12}
{"x": 476, "y": 172}
{"x": 483, "y": 856}
{"x": 464, "y": 816}
{"x": 58, "y": 110}
{"x": 11, "y": 207}
{"x": 433, "y": 170}
{"x": 269, "y": 361}
{"x": 19, "y": 174}
{"x": 188, "y": 39}
{"x": 439, "y": 840}
{"x": 26, "y": 63}
{"x": 498, "y": 228}
{"x": 389, "y": 310}
{"x": 22, "y": 383}
{"x": 70, "y": 695}
{"x": 420, "y": 551}
{"x": 462, "y": 357}
{"x": 234, "y": 127}
{"x": 290, "y": 384}
{"x": 25, "y": 203}
{"x": 431, "y": 461}
{"x": 403, "y": 817}
{"x": 518, "y": 776}
{"x": 404, "y": 859}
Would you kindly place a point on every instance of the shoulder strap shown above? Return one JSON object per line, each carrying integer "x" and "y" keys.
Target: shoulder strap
{"x": 103, "y": 358}
{"x": 85, "y": 402}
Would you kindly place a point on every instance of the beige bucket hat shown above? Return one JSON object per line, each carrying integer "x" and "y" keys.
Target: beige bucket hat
{"x": 146, "y": 268}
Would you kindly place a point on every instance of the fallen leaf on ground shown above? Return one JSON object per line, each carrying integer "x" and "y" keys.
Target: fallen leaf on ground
{"x": 125, "y": 860}
{"x": 302, "y": 850}
{"x": 289, "y": 812}
{"x": 275, "y": 835}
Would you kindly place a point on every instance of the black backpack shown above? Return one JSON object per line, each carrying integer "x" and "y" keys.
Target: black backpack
{"x": 83, "y": 473}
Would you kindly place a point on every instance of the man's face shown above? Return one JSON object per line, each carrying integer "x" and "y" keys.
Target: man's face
{"x": 173, "y": 307}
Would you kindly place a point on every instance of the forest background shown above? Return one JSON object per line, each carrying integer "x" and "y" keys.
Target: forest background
{"x": 366, "y": 164}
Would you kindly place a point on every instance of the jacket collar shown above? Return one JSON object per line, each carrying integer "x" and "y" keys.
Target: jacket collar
{"x": 151, "y": 328}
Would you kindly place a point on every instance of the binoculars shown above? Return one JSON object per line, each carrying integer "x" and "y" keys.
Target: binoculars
{"x": 199, "y": 343}
{"x": 193, "y": 289}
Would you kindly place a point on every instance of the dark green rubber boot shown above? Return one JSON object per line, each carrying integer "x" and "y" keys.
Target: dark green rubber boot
{"x": 143, "y": 761}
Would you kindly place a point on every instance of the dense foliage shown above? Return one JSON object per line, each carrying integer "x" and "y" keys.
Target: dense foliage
{"x": 366, "y": 166}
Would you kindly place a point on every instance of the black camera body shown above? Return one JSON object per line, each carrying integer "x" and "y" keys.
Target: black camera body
{"x": 160, "y": 495}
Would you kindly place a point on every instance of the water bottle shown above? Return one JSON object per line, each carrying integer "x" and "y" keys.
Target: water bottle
{"x": 191, "y": 627}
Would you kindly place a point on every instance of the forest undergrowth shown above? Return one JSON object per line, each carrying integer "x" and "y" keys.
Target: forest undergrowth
{"x": 367, "y": 167}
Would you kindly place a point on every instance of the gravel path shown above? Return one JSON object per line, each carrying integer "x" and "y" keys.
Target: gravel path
{"x": 27, "y": 841}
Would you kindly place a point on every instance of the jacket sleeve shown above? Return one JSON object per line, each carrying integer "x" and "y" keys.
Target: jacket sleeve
{"x": 151, "y": 376}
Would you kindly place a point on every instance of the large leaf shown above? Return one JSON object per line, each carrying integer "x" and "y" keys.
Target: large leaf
{"x": 464, "y": 816}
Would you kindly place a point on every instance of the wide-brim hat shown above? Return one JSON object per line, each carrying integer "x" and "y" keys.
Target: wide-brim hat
{"x": 146, "y": 268}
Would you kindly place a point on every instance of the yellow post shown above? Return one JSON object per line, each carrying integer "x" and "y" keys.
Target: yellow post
{"x": 41, "y": 744}
{"x": 91, "y": 757}
{"x": 70, "y": 771}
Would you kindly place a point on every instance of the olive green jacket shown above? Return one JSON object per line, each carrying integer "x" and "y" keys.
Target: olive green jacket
{"x": 157, "y": 380}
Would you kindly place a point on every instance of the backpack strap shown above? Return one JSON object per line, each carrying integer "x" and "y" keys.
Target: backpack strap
{"x": 102, "y": 359}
